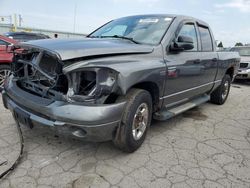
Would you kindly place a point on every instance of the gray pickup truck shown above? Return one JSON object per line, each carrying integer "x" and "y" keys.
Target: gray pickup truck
{"x": 109, "y": 85}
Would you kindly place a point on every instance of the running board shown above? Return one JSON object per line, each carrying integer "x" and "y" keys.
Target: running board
{"x": 169, "y": 113}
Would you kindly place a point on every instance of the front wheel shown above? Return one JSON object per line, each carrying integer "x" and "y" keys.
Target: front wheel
{"x": 135, "y": 122}
{"x": 4, "y": 73}
{"x": 219, "y": 96}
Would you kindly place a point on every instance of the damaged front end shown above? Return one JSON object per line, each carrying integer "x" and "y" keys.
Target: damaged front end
{"x": 40, "y": 73}
{"x": 79, "y": 103}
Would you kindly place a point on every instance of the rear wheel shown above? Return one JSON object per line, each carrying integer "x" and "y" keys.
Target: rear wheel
{"x": 136, "y": 120}
{"x": 219, "y": 96}
{"x": 4, "y": 73}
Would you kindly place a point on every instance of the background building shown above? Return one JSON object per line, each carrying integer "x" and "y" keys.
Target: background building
{"x": 14, "y": 23}
{"x": 4, "y": 28}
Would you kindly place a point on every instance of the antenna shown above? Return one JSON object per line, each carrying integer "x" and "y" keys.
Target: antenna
{"x": 75, "y": 19}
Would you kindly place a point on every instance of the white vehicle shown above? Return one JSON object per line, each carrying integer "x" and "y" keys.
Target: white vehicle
{"x": 244, "y": 69}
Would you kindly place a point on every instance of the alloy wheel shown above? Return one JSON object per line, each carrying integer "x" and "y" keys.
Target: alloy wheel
{"x": 3, "y": 75}
{"x": 140, "y": 121}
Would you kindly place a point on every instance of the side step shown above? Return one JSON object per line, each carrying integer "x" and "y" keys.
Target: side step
{"x": 169, "y": 113}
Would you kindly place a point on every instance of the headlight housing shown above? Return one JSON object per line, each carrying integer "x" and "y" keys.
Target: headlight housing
{"x": 90, "y": 84}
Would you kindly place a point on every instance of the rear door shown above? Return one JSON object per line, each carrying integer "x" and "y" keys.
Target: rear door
{"x": 209, "y": 57}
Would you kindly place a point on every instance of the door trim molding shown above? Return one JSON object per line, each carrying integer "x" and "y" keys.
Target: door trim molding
{"x": 193, "y": 88}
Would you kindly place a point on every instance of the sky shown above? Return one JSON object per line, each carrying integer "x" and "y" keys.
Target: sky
{"x": 229, "y": 19}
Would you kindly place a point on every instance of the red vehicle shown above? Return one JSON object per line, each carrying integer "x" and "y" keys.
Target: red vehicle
{"x": 5, "y": 57}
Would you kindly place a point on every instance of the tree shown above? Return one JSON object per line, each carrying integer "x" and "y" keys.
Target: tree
{"x": 220, "y": 45}
{"x": 238, "y": 44}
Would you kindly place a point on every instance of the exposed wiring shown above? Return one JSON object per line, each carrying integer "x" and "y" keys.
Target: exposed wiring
{"x": 20, "y": 154}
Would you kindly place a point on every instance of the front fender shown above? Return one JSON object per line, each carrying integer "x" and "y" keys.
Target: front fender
{"x": 131, "y": 70}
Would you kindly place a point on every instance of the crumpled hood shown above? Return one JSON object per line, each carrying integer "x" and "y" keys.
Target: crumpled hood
{"x": 75, "y": 48}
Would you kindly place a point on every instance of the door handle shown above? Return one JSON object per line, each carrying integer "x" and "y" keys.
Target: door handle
{"x": 197, "y": 61}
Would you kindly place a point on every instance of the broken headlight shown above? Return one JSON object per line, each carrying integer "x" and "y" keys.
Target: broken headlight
{"x": 90, "y": 84}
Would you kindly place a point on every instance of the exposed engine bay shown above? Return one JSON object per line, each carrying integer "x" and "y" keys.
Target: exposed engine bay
{"x": 41, "y": 73}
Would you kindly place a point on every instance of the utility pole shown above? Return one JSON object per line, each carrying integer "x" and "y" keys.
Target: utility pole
{"x": 15, "y": 22}
{"x": 20, "y": 19}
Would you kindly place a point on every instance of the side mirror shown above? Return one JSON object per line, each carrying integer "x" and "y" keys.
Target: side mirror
{"x": 182, "y": 43}
{"x": 7, "y": 48}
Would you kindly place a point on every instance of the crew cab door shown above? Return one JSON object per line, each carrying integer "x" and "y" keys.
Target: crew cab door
{"x": 188, "y": 71}
{"x": 209, "y": 56}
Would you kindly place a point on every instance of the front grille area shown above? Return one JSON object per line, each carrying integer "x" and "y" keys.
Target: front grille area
{"x": 243, "y": 65}
{"x": 39, "y": 73}
{"x": 242, "y": 76}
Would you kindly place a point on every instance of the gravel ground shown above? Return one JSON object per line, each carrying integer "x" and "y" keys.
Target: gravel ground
{"x": 208, "y": 146}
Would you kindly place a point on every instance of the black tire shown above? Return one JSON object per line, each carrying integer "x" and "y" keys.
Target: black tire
{"x": 3, "y": 68}
{"x": 219, "y": 96}
{"x": 124, "y": 138}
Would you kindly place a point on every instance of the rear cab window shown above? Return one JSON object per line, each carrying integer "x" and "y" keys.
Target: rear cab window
{"x": 206, "y": 39}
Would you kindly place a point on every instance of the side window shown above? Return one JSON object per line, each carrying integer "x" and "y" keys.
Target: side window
{"x": 117, "y": 30}
{"x": 189, "y": 31}
{"x": 206, "y": 39}
{"x": 3, "y": 42}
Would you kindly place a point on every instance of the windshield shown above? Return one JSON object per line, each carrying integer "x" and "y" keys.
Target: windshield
{"x": 244, "y": 51}
{"x": 140, "y": 29}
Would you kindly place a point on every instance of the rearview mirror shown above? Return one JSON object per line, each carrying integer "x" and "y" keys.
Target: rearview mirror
{"x": 182, "y": 43}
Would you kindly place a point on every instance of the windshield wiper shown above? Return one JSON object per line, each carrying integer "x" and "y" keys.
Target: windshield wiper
{"x": 121, "y": 37}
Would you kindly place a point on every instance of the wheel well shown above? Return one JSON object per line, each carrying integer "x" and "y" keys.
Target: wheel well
{"x": 230, "y": 72}
{"x": 153, "y": 89}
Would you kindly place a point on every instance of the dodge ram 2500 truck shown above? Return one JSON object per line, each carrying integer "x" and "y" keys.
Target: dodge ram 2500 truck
{"x": 110, "y": 85}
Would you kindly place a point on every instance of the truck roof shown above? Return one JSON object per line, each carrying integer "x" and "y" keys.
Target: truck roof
{"x": 176, "y": 16}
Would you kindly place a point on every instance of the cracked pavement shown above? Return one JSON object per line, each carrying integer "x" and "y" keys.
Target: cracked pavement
{"x": 208, "y": 146}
